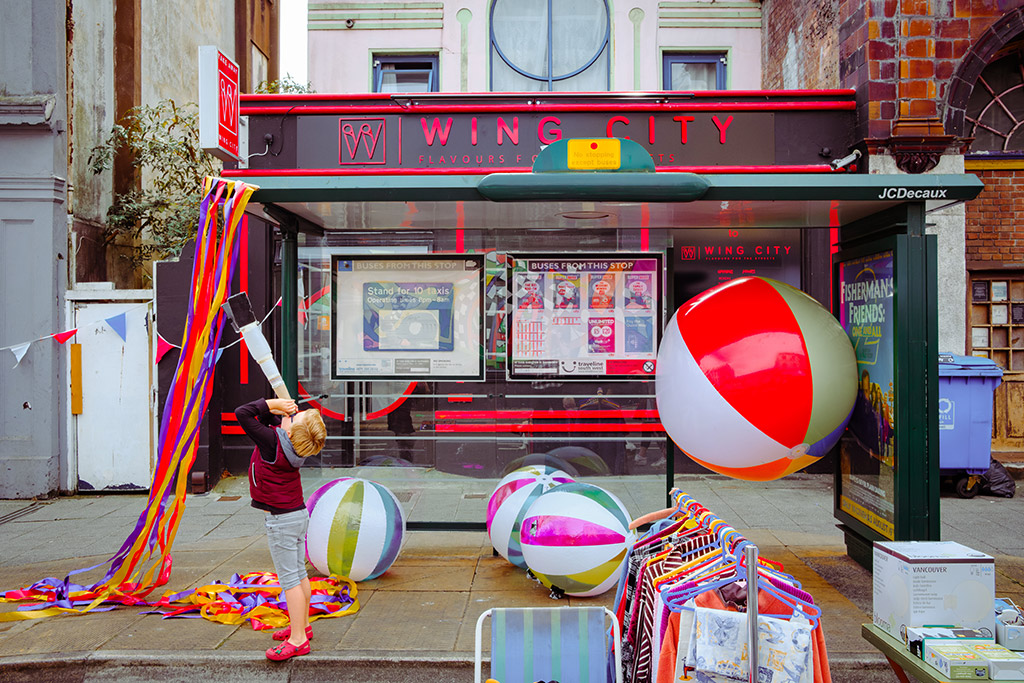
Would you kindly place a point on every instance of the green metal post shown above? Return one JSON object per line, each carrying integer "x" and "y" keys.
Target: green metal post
{"x": 290, "y": 309}
{"x": 917, "y": 472}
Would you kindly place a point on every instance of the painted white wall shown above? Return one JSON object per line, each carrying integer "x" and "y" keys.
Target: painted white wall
{"x": 172, "y": 31}
{"x": 949, "y": 225}
{"x": 339, "y": 60}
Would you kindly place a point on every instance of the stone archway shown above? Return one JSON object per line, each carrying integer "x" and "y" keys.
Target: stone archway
{"x": 1004, "y": 31}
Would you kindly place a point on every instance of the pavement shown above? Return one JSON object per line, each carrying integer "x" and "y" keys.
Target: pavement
{"x": 416, "y": 622}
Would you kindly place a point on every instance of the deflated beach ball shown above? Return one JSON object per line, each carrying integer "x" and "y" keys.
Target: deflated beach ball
{"x": 356, "y": 528}
{"x": 509, "y": 502}
{"x": 574, "y": 538}
{"x": 755, "y": 379}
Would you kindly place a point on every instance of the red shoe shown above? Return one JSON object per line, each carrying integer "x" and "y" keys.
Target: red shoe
{"x": 287, "y": 631}
{"x": 286, "y": 651}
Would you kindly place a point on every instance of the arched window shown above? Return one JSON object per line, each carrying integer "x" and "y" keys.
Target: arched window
{"x": 995, "y": 110}
{"x": 559, "y": 45}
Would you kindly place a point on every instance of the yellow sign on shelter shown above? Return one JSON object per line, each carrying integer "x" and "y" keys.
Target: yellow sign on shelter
{"x": 593, "y": 154}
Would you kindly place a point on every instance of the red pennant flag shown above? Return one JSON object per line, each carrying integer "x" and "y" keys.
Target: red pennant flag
{"x": 162, "y": 347}
{"x": 64, "y": 336}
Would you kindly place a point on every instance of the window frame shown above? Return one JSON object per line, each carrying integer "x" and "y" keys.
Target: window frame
{"x": 720, "y": 59}
{"x": 550, "y": 80}
{"x": 425, "y": 58}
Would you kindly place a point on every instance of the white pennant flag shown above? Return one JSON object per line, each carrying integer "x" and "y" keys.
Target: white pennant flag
{"x": 19, "y": 353}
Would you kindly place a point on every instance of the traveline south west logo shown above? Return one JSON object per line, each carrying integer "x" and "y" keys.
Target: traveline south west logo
{"x": 906, "y": 193}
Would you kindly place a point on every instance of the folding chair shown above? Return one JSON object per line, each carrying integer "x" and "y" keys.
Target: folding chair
{"x": 564, "y": 644}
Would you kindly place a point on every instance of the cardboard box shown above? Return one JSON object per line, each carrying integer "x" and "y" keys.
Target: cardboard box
{"x": 955, "y": 660}
{"x": 917, "y": 583}
{"x": 1010, "y": 636}
{"x": 1003, "y": 664}
{"x": 917, "y": 636}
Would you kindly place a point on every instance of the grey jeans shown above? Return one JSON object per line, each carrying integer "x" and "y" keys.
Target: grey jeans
{"x": 286, "y": 535}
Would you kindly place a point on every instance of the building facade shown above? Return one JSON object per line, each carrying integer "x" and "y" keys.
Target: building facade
{"x": 70, "y": 72}
{"x": 937, "y": 85}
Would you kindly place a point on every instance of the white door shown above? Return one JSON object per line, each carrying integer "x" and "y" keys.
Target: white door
{"x": 114, "y": 429}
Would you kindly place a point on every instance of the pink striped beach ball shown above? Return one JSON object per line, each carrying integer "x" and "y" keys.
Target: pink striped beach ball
{"x": 755, "y": 379}
{"x": 574, "y": 538}
{"x": 509, "y": 502}
{"x": 356, "y": 528}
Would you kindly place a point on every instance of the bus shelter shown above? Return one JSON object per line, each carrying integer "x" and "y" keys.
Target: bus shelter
{"x": 475, "y": 280}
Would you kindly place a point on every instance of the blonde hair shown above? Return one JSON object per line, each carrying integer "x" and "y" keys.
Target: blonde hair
{"x": 308, "y": 436}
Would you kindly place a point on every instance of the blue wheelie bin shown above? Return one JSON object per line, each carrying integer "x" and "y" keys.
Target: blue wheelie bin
{"x": 966, "y": 384}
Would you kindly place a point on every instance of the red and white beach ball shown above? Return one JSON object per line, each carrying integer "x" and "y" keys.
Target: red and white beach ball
{"x": 755, "y": 379}
{"x": 509, "y": 502}
{"x": 574, "y": 538}
{"x": 356, "y": 528}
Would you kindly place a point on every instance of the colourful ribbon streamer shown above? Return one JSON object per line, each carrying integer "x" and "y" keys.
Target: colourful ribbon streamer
{"x": 144, "y": 562}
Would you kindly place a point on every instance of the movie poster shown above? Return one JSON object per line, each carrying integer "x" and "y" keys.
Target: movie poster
{"x": 408, "y": 317}
{"x": 601, "y": 291}
{"x": 867, "y": 450}
{"x": 584, "y": 316}
{"x": 638, "y": 292}
{"x": 601, "y": 335}
{"x": 639, "y": 334}
{"x": 567, "y": 291}
{"x": 529, "y": 291}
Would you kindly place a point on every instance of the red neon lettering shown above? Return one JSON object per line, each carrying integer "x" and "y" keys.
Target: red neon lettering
{"x": 611, "y": 122}
{"x": 513, "y": 132}
{"x": 683, "y": 120}
{"x": 650, "y": 129}
{"x": 472, "y": 135}
{"x": 556, "y": 133}
{"x": 435, "y": 130}
{"x": 722, "y": 127}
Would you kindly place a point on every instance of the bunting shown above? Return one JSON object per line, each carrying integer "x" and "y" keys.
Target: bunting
{"x": 62, "y": 337}
{"x": 119, "y": 325}
{"x": 144, "y": 561}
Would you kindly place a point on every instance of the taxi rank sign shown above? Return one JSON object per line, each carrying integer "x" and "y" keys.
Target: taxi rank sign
{"x": 513, "y": 140}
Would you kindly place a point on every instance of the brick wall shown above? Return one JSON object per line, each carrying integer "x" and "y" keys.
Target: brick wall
{"x": 799, "y": 47}
{"x": 993, "y": 219}
{"x": 907, "y": 59}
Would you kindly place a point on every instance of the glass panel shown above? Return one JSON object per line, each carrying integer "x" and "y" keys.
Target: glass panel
{"x": 1001, "y": 358}
{"x": 979, "y": 290}
{"x": 1017, "y": 361}
{"x": 999, "y": 290}
{"x": 521, "y": 33}
{"x": 441, "y": 446}
{"x": 578, "y": 33}
{"x": 594, "y": 79}
{"x": 405, "y": 80}
{"x": 979, "y": 314}
{"x": 693, "y": 76}
{"x": 505, "y": 79}
{"x": 1017, "y": 290}
{"x": 1000, "y": 314}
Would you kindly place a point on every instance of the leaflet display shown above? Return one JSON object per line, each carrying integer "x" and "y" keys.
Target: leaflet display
{"x": 410, "y": 317}
{"x": 584, "y": 317}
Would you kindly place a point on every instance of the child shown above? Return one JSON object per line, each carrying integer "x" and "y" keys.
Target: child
{"x": 275, "y": 486}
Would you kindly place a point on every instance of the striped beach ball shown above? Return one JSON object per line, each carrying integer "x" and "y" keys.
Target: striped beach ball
{"x": 755, "y": 379}
{"x": 509, "y": 502}
{"x": 575, "y": 537}
{"x": 356, "y": 528}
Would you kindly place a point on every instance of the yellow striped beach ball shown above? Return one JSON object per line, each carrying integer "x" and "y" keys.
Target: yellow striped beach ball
{"x": 356, "y": 528}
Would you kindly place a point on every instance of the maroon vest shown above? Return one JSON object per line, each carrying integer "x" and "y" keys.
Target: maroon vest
{"x": 277, "y": 483}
